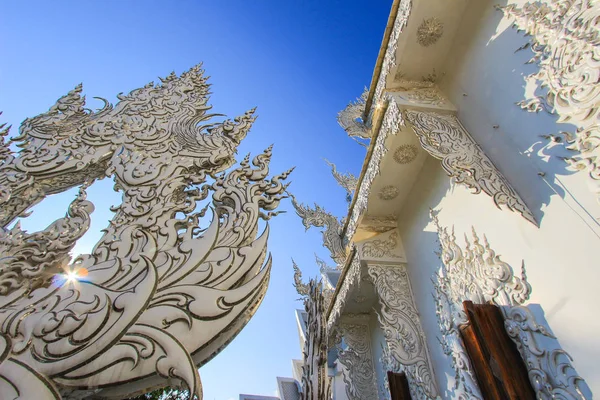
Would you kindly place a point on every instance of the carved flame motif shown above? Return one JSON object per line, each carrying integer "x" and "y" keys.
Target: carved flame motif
{"x": 162, "y": 294}
{"x": 348, "y": 181}
{"x": 332, "y": 235}
{"x": 471, "y": 272}
{"x": 350, "y": 119}
{"x": 315, "y": 382}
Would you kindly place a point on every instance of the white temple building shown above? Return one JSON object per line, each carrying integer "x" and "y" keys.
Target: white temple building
{"x": 465, "y": 266}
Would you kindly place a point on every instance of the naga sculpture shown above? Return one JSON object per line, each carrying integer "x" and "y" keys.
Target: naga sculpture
{"x": 332, "y": 234}
{"x": 161, "y": 293}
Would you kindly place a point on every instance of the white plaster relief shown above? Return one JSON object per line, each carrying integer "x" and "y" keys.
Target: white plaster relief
{"x": 357, "y": 358}
{"x": 388, "y": 192}
{"x": 550, "y": 368}
{"x": 471, "y": 272}
{"x": 350, "y": 119}
{"x": 379, "y": 224}
{"x": 565, "y": 39}
{"x": 430, "y": 31}
{"x": 315, "y": 382}
{"x": 384, "y": 247}
{"x": 405, "y": 340}
{"x": 444, "y": 138}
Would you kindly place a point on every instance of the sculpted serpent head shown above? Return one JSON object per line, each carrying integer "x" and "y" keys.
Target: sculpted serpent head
{"x": 162, "y": 292}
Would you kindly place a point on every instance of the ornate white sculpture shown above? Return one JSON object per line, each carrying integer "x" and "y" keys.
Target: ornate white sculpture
{"x": 405, "y": 339}
{"x": 357, "y": 359}
{"x": 473, "y": 272}
{"x": 348, "y": 181}
{"x": 304, "y": 290}
{"x": 301, "y": 288}
{"x": 315, "y": 382}
{"x": 550, "y": 370}
{"x": 392, "y": 119}
{"x": 159, "y": 295}
{"x": 565, "y": 39}
{"x": 318, "y": 217}
{"x": 350, "y": 119}
{"x": 380, "y": 248}
{"x": 389, "y": 59}
{"x": 443, "y": 137}
{"x": 379, "y": 224}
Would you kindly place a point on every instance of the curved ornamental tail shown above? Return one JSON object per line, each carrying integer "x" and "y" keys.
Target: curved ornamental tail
{"x": 163, "y": 291}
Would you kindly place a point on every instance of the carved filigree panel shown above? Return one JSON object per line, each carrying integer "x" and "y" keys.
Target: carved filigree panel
{"x": 551, "y": 372}
{"x": 379, "y": 224}
{"x": 161, "y": 292}
{"x": 388, "y": 192}
{"x": 383, "y": 247}
{"x": 564, "y": 37}
{"x": 470, "y": 272}
{"x": 357, "y": 359}
{"x": 315, "y": 382}
{"x": 405, "y": 340}
{"x": 444, "y": 137}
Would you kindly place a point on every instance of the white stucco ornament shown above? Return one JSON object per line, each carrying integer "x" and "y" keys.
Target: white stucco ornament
{"x": 161, "y": 293}
{"x": 565, "y": 39}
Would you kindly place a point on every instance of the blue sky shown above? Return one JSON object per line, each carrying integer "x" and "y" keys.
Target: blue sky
{"x": 299, "y": 62}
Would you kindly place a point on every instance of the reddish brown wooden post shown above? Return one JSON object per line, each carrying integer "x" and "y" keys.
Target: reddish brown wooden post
{"x": 500, "y": 371}
{"x": 398, "y": 386}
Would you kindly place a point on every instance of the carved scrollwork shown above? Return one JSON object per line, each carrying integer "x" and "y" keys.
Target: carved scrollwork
{"x": 359, "y": 371}
{"x": 315, "y": 382}
{"x": 379, "y": 224}
{"x": 464, "y": 161}
{"x": 430, "y": 31}
{"x": 564, "y": 37}
{"x": 551, "y": 372}
{"x": 406, "y": 346}
{"x": 473, "y": 272}
{"x": 348, "y": 181}
{"x": 380, "y": 248}
{"x": 159, "y": 294}
{"x": 350, "y": 119}
{"x": 318, "y": 217}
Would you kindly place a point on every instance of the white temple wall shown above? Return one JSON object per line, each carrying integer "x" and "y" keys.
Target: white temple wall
{"x": 485, "y": 78}
{"x": 557, "y": 257}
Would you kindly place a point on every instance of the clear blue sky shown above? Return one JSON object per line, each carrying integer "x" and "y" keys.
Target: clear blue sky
{"x": 299, "y": 62}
